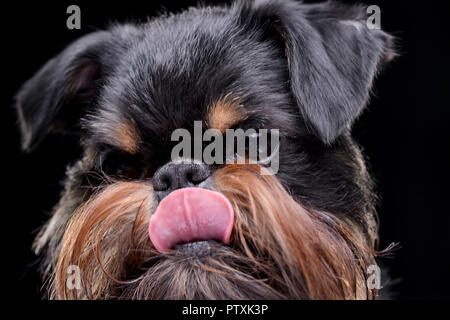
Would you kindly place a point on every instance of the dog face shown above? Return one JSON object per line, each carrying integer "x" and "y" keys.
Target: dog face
{"x": 308, "y": 232}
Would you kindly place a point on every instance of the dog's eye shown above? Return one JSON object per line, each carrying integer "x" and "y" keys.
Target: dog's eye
{"x": 122, "y": 165}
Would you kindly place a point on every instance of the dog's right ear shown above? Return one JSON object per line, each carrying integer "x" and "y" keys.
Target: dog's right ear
{"x": 55, "y": 98}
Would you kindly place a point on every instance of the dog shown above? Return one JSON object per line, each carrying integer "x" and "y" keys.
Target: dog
{"x": 138, "y": 224}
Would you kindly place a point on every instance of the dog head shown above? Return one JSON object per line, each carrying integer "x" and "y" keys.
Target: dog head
{"x": 222, "y": 229}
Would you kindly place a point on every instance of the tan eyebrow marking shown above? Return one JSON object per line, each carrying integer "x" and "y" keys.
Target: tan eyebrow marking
{"x": 126, "y": 137}
{"x": 224, "y": 113}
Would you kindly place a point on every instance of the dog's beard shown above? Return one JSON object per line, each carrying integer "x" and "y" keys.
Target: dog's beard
{"x": 278, "y": 250}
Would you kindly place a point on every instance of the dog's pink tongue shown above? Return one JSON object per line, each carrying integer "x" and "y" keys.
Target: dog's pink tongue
{"x": 191, "y": 214}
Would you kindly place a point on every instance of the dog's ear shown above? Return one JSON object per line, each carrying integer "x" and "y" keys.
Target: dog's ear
{"x": 55, "y": 98}
{"x": 333, "y": 57}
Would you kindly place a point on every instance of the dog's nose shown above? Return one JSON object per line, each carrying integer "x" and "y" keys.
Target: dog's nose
{"x": 173, "y": 176}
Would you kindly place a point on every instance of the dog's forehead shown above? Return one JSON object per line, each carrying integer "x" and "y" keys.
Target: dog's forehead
{"x": 200, "y": 65}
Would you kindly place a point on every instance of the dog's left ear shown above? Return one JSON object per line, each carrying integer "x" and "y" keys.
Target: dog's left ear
{"x": 333, "y": 57}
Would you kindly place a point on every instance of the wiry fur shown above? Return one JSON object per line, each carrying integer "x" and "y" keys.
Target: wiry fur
{"x": 279, "y": 250}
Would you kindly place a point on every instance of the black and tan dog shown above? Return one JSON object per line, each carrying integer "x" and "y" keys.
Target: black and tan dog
{"x": 308, "y": 232}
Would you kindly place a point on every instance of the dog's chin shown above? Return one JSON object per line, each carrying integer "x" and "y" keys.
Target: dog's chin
{"x": 200, "y": 270}
{"x": 197, "y": 248}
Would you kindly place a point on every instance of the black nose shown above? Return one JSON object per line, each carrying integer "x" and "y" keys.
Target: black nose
{"x": 174, "y": 176}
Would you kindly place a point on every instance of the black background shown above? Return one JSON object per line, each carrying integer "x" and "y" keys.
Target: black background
{"x": 403, "y": 133}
